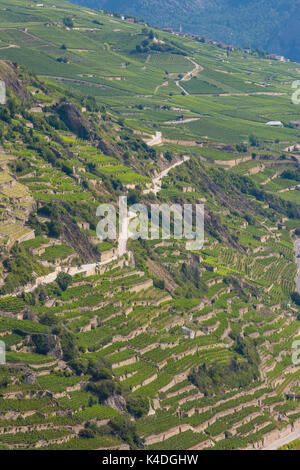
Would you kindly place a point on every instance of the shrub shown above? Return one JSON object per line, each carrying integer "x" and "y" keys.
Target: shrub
{"x": 64, "y": 280}
{"x": 68, "y": 22}
{"x": 126, "y": 430}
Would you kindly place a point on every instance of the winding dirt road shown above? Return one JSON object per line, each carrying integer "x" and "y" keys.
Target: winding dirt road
{"x": 157, "y": 180}
{"x": 189, "y": 75}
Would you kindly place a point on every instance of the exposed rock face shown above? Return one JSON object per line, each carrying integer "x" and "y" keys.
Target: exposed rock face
{"x": 56, "y": 351}
{"x": 117, "y": 402}
{"x": 30, "y": 379}
{"x": 73, "y": 236}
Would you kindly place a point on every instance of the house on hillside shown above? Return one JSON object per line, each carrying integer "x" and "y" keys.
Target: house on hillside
{"x": 275, "y": 124}
{"x": 279, "y": 58}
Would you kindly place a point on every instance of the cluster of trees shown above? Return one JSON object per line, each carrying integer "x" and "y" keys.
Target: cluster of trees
{"x": 51, "y": 228}
{"x": 151, "y": 43}
{"x": 67, "y": 342}
{"x": 103, "y": 384}
{"x": 130, "y": 143}
{"x": 68, "y": 22}
{"x": 254, "y": 141}
{"x": 296, "y": 298}
{"x": 13, "y": 106}
{"x": 126, "y": 430}
{"x": 216, "y": 378}
{"x": 146, "y": 46}
{"x": 63, "y": 60}
{"x": 19, "y": 266}
{"x": 291, "y": 174}
{"x": 90, "y": 103}
{"x": 120, "y": 426}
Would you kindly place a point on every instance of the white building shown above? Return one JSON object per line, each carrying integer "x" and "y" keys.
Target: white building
{"x": 275, "y": 124}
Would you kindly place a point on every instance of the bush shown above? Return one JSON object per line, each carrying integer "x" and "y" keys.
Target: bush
{"x": 100, "y": 369}
{"x": 68, "y": 22}
{"x": 43, "y": 343}
{"x": 137, "y": 406}
{"x": 64, "y": 280}
{"x": 126, "y": 430}
{"x": 104, "y": 389}
{"x": 296, "y": 298}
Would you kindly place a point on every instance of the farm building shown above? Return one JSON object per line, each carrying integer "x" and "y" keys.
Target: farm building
{"x": 274, "y": 124}
{"x": 279, "y": 58}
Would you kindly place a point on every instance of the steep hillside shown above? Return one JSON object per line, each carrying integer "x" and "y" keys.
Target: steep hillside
{"x": 144, "y": 343}
{"x": 260, "y": 24}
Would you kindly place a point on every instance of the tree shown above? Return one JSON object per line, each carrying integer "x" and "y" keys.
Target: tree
{"x": 44, "y": 343}
{"x": 68, "y": 22}
{"x": 68, "y": 345}
{"x": 100, "y": 369}
{"x": 168, "y": 156}
{"x": 64, "y": 280}
{"x": 296, "y": 298}
{"x": 253, "y": 140}
{"x": 126, "y": 430}
{"x": 79, "y": 366}
{"x": 54, "y": 229}
{"x": 49, "y": 319}
{"x": 86, "y": 433}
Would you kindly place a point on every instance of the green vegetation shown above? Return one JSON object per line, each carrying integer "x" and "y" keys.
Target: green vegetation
{"x": 163, "y": 347}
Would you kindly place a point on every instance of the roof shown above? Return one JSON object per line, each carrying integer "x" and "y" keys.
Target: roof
{"x": 274, "y": 123}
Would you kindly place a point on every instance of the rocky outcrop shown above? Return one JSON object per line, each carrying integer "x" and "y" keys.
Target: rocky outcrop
{"x": 117, "y": 402}
{"x": 8, "y": 73}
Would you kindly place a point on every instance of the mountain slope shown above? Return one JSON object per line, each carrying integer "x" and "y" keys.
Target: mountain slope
{"x": 244, "y": 22}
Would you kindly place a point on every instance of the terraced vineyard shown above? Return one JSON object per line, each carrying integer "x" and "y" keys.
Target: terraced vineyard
{"x": 143, "y": 343}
